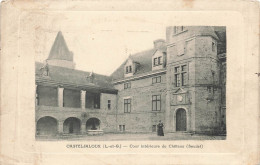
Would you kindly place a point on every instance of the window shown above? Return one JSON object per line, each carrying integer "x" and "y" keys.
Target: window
{"x": 156, "y": 79}
{"x": 127, "y": 105}
{"x": 122, "y": 128}
{"x": 97, "y": 101}
{"x": 213, "y": 46}
{"x": 178, "y": 29}
{"x": 128, "y": 69}
{"x": 177, "y": 76}
{"x": 127, "y": 85}
{"x": 109, "y": 104}
{"x": 156, "y": 102}
{"x": 157, "y": 61}
{"x": 181, "y": 75}
{"x": 154, "y": 128}
{"x": 175, "y": 29}
{"x": 184, "y": 75}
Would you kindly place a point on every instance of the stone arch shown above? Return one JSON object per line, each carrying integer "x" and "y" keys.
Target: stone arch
{"x": 72, "y": 125}
{"x": 181, "y": 119}
{"x": 47, "y": 125}
{"x": 93, "y": 124}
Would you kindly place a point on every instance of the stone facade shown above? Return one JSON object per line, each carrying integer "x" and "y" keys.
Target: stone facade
{"x": 181, "y": 81}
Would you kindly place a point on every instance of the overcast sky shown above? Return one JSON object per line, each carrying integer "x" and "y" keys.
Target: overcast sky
{"x": 100, "y": 41}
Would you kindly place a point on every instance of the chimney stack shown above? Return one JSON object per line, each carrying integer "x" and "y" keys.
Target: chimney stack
{"x": 159, "y": 43}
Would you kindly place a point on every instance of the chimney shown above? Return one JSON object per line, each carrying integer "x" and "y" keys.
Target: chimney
{"x": 159, "y": 43}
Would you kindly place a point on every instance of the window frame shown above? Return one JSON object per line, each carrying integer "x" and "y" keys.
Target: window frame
{"x": 127, "y": 85}
{"x": 127, "y": 105}
{"x": 128, "y": 69}
{"x": 122, "y": 128}
{"x": 181, "y": 75}
{"x": 109, "y": 104}
{"x": 157, "y": 61}
{"x": 157, "y": 79}
{"x": 156, "y": 101}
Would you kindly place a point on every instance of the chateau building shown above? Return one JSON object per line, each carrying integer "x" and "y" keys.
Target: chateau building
{"x": 180, "y": 81}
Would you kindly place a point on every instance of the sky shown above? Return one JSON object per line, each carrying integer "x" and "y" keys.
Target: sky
{"x": 100, "y": 41}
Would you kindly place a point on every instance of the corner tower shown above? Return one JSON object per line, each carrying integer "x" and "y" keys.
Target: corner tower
{"x": 60, "y": 54}
{"x": 192, "y": 79}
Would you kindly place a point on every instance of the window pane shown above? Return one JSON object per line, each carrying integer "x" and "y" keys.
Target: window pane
{"x": 130, "y": 69}
{"x": 155, "y": 61}
{"x": 159, "y": 60}
{"x": 184, "y": 79}
{"x": 158, "y": 105}
{"x": 159, "y": 79}
{"x": 159, "y": 97}
{"x": 154, "y": 80}
{"x": 177, "y": 80}
{"x": 184, "y": 68}
{"x": 154, "y": 105}
{"x": 176, "y": 69}
{"x": 125, "y": 108}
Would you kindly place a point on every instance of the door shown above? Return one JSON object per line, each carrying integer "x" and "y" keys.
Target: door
{"x": 181, "y": 120}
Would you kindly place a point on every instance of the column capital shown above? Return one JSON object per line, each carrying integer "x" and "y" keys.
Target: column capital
{"x": 60, "y": 88}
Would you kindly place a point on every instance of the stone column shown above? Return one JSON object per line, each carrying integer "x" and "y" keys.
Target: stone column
{"x": 60, "y": 97}
{"x": 36, "y": 95}
{"x": 83, "y": 128}
{"x": 83, "y": 99}
{"x": 60, "y": 127}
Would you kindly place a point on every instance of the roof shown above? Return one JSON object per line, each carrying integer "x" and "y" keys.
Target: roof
{"x": 144, "y": 59}
{"x": 73, "y": 77}
{"x": 206, "y": 30}
{"x": 59, "y": 49}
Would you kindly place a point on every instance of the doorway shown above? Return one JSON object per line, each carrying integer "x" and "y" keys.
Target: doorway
{"x": 181, "y": 120}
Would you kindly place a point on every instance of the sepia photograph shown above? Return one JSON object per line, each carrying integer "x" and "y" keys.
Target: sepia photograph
{"x": 174, "y": 88}
{"x": 129, "y": 82}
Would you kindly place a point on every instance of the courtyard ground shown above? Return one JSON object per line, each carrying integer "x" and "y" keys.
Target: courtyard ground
{"x": 135, "y": 137}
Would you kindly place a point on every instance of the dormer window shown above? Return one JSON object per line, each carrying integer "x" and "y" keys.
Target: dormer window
{"x": 128, "y": 69}
{"x": 157, "y": 61}
{"x": 178, "y": 29}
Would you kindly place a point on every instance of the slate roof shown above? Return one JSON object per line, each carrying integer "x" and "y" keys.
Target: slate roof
{"x": 73, "y": 77}
{"x": 204, "y": 30}
{"x": 59, "y": 49}
{"x": 144, "y": 59}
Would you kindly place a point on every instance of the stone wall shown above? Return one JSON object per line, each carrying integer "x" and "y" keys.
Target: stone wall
{"x": 141, "y": 118}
